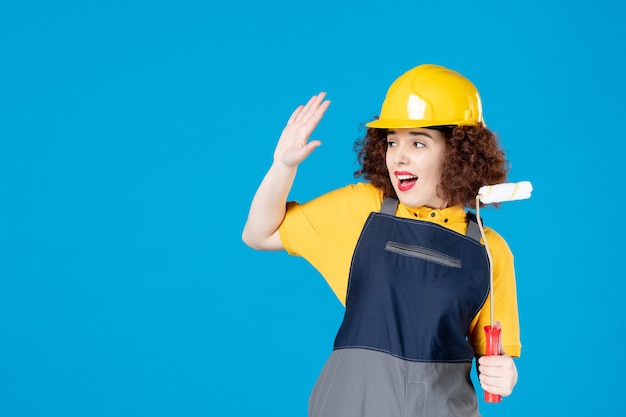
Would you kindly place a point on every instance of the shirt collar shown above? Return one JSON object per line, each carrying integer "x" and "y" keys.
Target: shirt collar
{"x": 451, "y": 214}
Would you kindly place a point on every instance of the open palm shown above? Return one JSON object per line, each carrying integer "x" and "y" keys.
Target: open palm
{"x": 293, "y": 146}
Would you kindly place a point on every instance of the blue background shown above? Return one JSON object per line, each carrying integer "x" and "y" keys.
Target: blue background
{"x": 133, "y": 135}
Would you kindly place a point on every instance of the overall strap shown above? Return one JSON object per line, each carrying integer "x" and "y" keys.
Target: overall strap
{"x": 390, "y": 205}
{"x": 473, "y": 230}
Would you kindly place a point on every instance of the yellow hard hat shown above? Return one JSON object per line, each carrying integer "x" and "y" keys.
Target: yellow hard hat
{"x": 430, "y": 95}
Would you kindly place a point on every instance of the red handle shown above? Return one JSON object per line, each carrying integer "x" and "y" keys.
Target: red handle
{"x": 493, "y": 348}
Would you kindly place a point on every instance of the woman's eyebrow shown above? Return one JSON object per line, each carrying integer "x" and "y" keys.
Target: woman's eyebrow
{"x": 420, "y": 134}
{"x": 393, "y": 132}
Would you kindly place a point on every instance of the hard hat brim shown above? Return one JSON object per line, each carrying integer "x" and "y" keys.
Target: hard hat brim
{"x": 407, "y": 124}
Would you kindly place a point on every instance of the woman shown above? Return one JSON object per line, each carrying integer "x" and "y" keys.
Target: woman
{"x": 401, "y": 253}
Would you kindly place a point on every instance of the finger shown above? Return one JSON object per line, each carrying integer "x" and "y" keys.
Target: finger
{"x": 494, "y": 363}
{"x": 493, "y": 380}
{"x": 314, "y": 101}
{"x": 302, "y": 109}
{"x": 489, "y": 361}
{"x": 311, "y": 107}
{"x": 303, "y": 126}
{"x": 317, "y": 115}
{"x": 498, "y": 386}
{"x": 491, "y": 371}
{"x": 295, "y": 114}
{"x": 306, "y": 108}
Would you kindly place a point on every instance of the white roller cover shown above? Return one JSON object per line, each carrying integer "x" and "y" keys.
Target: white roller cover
{"x": 507, "y": 191}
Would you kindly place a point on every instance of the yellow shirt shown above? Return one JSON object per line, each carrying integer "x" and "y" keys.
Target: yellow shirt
{"x": 325, "y": 231}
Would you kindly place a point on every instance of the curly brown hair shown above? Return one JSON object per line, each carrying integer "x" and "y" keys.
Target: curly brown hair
{"x": 473, "y": 158}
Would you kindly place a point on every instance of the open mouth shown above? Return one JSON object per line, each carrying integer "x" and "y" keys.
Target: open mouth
{"x": 406, "y": 181}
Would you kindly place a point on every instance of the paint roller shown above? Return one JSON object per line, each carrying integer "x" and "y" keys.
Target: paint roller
{"x": 497, "y": 193}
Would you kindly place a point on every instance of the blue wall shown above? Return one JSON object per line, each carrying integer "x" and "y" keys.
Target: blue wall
{"x": 133, "y": 135}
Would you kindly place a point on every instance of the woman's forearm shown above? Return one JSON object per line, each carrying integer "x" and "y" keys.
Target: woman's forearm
{"x": 267, "y": 209}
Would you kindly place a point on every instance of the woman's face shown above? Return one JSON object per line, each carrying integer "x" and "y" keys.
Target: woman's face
{"x": 414, "y": 159}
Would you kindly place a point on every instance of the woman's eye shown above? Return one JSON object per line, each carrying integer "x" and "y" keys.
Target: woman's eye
{"x": 418, "y": 144}
{"x": 390, "y": 144}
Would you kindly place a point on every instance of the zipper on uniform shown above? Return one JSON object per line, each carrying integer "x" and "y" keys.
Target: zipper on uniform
{"x": 423, "y": 253}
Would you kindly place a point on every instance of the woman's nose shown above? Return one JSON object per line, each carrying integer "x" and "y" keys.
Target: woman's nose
{"x": 399, "y": 157}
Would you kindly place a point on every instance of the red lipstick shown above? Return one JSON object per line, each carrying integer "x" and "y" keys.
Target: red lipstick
{"x": 406, "y": 180}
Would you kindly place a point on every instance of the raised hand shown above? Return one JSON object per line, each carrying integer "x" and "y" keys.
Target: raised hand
{"x": 293, "y": 145}
{"x": 267, "y": 210}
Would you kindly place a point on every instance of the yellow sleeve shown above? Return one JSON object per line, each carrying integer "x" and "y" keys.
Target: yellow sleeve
{"x": 324, "y": 231}
{"x": 505, "y": 300}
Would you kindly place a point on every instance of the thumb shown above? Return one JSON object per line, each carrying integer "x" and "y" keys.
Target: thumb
{"x": 296, "y": 155}
{"x": 310, "y": 147}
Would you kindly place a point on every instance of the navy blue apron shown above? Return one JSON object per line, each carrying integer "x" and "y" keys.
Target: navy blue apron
{"x": 402, "y": 349}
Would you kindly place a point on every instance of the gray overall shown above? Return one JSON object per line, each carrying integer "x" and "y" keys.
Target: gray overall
{"x": 402, "y": 349}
